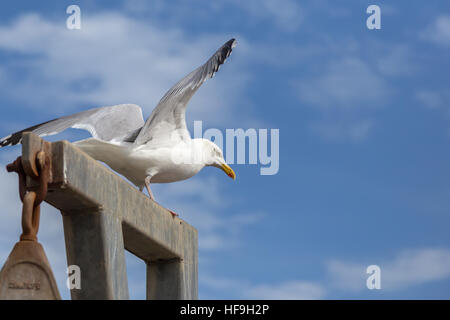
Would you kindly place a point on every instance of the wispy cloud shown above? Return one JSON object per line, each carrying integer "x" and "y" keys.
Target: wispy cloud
{"x": 204, "y": 204}
{"x": 346, "y": 92}
{"x": 346, "y": 83}
{"x": 433, "y": 99}
{"x": 438, "y": 32}
{"x": 409, "y": 268}
{"x": 113, "y": 59}
{"x": 294, "y": 290}
{"x": 343, "y": 130}
{"x": 289, "y": 290}
{"x": 287, "y": 15}
{"x": 398, "y": 61}
{"x": 283, "y": 15}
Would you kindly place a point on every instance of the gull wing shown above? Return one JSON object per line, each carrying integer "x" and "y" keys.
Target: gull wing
{"x": 105, "y": 123}
{"x": 167, "y": 123}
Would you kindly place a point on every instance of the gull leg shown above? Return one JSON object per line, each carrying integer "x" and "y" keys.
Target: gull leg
{"x": 147, "y": 185}
{"x": 150, "y": 194}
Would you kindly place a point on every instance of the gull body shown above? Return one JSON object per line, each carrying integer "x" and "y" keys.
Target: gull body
{"x": 158, "y": 150}
{"x": 157, "y": 162}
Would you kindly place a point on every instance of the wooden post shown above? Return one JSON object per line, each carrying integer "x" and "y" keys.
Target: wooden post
{"x": 103, "y": 215}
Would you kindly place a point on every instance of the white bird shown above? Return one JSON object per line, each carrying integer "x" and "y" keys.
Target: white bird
{"x": 158, "y": 151}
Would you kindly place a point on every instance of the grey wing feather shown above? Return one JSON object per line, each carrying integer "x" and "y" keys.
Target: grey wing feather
{"x": 105, "y": 123}
{"x": 169, "y": 115}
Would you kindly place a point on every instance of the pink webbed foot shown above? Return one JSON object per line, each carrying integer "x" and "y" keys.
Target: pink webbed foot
{"x": 173, "y": 214}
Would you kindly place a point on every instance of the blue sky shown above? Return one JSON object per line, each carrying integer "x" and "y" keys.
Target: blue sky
{"x": 364, "y": 124}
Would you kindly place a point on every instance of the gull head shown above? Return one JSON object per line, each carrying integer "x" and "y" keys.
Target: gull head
{"x": 213, "y": 156}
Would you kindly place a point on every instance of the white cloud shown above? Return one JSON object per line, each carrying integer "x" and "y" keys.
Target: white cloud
{"x": 204, "y": 204}
{"x": 439, "y": 31}
{"x": 433, "y": 99}
{"x": 348, "y": 276}
{"x": 345, "y": 91}
{"x": 295, "y": 290}
{"x": 409, "y": 268}
{"x": 413, "y": 267}
{"x": 398, "y": 61}
{"x": 284, "y": 15}
{"x": 347, "y": 83}
{"x": 113, "y": 59}
{"x": 343, "y": 130}
{"x": 289, "y": 290}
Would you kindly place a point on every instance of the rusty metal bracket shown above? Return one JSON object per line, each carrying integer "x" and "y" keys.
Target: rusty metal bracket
{"x": 39, "y": 169}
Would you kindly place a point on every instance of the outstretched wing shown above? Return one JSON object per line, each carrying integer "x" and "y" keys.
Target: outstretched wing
{"x": 105, "y": 123}
{"x": 168, "y": 118}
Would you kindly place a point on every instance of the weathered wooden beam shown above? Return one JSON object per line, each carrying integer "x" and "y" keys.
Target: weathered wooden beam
{"x": 102, "y": 214}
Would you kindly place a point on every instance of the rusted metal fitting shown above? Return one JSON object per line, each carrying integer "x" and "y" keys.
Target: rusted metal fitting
{"x": 17, "y": 167}
{"x": 32, "y": 199}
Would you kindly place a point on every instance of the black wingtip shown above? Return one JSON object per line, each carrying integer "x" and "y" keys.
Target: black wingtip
{"x": 16, "y": 137}
{"x": 225, "y": 51}
{"x": 11, "y": 140}
{"x": 6, "y": 141}
{"x": 231, "y": 43}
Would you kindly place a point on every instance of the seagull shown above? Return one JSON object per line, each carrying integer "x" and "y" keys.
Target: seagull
{"x": 159, "y": 150}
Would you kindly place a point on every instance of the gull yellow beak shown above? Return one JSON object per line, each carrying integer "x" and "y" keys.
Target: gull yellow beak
{"x": 226, "y": 168}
